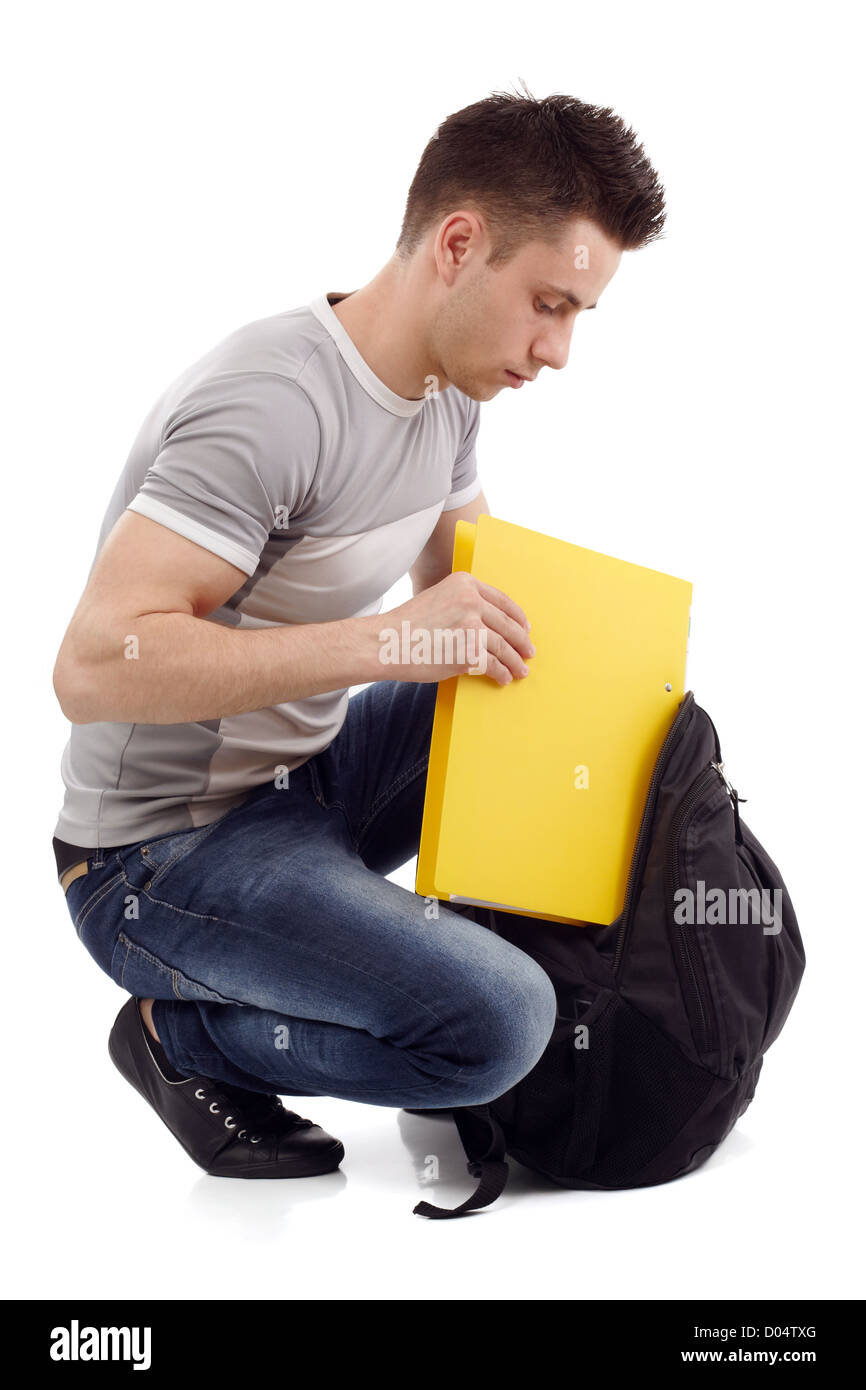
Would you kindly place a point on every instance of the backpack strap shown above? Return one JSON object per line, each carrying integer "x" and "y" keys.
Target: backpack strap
{"x": 484, "y": 1145}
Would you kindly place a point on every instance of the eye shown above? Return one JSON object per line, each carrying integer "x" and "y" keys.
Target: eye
{"x": 543, "y": 308}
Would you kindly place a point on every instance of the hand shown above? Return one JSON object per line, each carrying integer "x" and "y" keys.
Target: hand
{"x": 453, "y": 626}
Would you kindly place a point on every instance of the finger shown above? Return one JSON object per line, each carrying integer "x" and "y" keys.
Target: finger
{"x": 508, "y": 629}
{"x": 504, "y": 602}
{"x": 494, "y": 668}
{"x": 505, "y": 654}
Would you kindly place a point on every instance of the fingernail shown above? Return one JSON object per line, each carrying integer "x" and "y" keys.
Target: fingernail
{"x": 524, "y": 669}
{"x": 532, "y": 649}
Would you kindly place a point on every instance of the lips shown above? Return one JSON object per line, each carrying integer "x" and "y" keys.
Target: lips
{"x": 514, "y": 380}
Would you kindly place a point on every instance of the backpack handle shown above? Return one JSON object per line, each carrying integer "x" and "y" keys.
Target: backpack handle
{"x": 484, "y": 1145}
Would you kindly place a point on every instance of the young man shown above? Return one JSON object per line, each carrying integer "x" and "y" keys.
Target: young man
{"x": 230, "y": 814}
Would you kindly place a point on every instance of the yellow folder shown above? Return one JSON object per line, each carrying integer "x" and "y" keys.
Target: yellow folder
{"x": 535, "y": 789}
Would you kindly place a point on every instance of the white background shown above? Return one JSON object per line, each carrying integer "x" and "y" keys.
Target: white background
{"x": 175, "y": 170}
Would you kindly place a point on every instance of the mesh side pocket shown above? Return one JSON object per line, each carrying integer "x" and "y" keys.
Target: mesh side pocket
{"x": 650, "y": 1092}
{"x": 598, "y": 1114}
{"x": 558, "y": 1105}
{"x": 543, "y": 1106}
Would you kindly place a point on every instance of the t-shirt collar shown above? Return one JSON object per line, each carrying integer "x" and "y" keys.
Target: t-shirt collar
{"x": 363, "y": 373}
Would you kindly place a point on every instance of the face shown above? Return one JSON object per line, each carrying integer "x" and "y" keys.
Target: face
{"x": 492, "y": 322}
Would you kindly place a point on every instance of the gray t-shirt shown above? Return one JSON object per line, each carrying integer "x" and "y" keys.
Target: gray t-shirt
{"x": 281, "y": 451}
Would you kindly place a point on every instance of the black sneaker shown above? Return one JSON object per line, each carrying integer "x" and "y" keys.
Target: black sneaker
{"x": 230, "y": 1132}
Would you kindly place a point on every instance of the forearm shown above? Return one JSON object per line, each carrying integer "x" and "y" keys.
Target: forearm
{"x": 173, "y": 668}
{"x": 425, "y": 576}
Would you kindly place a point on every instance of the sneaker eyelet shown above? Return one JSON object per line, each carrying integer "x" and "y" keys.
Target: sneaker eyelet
{"x": 214, "y": 1108}
{"x": 200, "y": 1095}
{"x": 230, "y": 1122}
{"x": 255, "y": 1138}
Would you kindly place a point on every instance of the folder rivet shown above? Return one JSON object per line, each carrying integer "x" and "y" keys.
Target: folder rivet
{"x": 668, "y": 686}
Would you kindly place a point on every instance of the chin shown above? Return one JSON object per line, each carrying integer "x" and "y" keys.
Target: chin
{"x": 472, "y": 386}
{"x": 478, "y": 391}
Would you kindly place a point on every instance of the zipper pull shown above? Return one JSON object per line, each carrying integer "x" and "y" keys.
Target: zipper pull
{"x": 720, "y": 769}
{"x": 735, "y": 799}
{"x": 732, "y": 791}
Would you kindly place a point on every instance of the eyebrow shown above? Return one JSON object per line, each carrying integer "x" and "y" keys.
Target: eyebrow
{"x": 566, "y": 294}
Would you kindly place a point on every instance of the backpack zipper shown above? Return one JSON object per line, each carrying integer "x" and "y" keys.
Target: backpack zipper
{"x": 696, "y": 988}
{"x": 735, "y": 798}
{"x": 674, "y": 734}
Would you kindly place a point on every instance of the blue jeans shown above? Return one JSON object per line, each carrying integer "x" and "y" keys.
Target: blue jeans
{"x": 282, "y": 960}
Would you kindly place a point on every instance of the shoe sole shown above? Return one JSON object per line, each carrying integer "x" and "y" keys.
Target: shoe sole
{"x": 306, "y": 1167}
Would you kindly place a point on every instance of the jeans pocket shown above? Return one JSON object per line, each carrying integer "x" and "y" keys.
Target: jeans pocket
{"x": 86, "y": 895}
{"x": 97, "y": 911}
{"x": 145, "y": 975}
{"x": 156, "y": 857}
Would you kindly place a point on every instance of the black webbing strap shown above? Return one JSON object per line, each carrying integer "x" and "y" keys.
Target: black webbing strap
{"x": 484, "y": 1144}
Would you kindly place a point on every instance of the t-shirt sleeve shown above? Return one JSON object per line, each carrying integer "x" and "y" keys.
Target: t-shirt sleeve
{"x": 465, "y": 483}
{"x": 237, "y": 456}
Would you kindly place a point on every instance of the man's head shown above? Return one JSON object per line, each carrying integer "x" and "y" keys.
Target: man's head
{"x": 515, "y": 222}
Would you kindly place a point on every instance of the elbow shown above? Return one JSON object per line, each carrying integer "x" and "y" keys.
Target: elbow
{"x": 74, "y": 694}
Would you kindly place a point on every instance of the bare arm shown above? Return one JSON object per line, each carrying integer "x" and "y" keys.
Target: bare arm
{"x": 139, "y": 647}
{"x": 434, "y": 562}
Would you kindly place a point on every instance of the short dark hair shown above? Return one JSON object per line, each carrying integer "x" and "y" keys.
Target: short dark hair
{"x": 531, "y": 166}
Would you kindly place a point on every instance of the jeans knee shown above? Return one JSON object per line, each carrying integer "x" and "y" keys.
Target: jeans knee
{"x": 518, "y": 1019}
{"x": 538, "y": 998}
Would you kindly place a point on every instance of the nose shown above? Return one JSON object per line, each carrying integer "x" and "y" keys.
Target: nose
{"x": 551, "y": 347}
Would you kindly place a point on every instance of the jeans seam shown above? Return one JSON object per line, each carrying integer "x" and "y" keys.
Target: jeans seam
{"x": 202, "y": 1062}
{"x": 183, "y": 850}
{"x": 422, "y": 1086}
{"x": 182, "y": 1058}
{"x": 227, "y": 922}
{"x": 381, "y": 801}
{"x": 331, "y": 805}
{"x": 94, "y": 900}
{"x": 315, "y": 783}
{"x": 135, "y": 947}
{"x": 125, "y": 959}
{"x": 182, "y": 911}
{"x": 387, "y": 795}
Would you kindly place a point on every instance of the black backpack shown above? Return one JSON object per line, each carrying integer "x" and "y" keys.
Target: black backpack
{"x": 664, "y": 1015}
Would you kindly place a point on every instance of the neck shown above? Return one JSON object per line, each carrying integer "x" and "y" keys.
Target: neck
{"x": 385, "y": 322}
